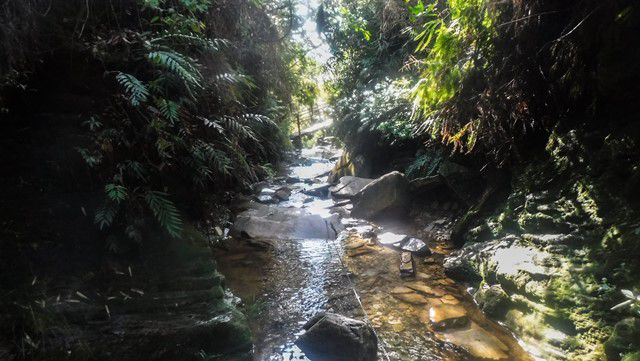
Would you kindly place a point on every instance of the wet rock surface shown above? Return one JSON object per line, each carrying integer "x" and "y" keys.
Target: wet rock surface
{"x": 348, "y": 187}
{"x": 268, "y": 222}
{"x": 387, "y": 193}
{"x": 330, "y": 336}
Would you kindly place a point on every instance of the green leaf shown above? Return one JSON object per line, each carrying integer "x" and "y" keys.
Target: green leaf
{"x": 105, "y": 215}
{"x": 116, "y": 193}
{"x": 136, "y": 91}
{"x": 165, "y": 212}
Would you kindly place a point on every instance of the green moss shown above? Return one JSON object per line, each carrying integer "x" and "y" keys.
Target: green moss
{"x": 624, "y": 339}
{"x": 634, "y": 356}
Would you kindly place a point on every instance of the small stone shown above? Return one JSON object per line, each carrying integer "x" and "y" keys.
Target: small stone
{"x": 448, "y": 316}
{"x": 416, "y": 246}
{"x": 283, "y": 193}
{"x": 407, "y": 267}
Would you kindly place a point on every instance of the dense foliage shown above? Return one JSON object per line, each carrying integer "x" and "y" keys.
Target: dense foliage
{"x": 195, "y": 96}
{"x": 487, "y": 76}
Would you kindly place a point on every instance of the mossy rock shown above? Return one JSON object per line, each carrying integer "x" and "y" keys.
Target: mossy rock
{"x": 624, "y": 339}
{"x": 542, "y": 223}
{"x": 493, "y": 301}
{"x": 634, "y": 356}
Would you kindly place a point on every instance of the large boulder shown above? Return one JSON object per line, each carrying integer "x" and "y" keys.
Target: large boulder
{"x": 348, "y": 187}
{"x": 268, "y": 222}
{"x": 465, "y": 183}
{"x": 329, "y": 336}
{"x": 389, "y": 192}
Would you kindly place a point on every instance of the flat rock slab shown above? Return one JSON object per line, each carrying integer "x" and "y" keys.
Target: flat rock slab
{"x": 270, "y": 222}
{"x": 426, "y": 290}
{"x": 390, "y": 238}
{"x": 447, "y": 316}
{"x": 349, "y": 186}
{"x": 478, "y": 342}
{"x": 412, "y": 298}
{"x": 400, "y": 290}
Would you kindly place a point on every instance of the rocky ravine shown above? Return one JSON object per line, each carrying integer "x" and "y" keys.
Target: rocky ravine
{"x": 298, "y": 252}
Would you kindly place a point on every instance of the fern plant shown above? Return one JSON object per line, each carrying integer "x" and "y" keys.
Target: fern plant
{"x": 176, "y": 123}
{"x": 135, "y": 90}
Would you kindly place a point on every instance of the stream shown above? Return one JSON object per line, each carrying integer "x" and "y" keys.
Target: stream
{"x": 286, "y": 268}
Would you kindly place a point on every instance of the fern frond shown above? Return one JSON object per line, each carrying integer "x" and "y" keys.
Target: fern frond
{"x": 115, "y": 193}
{"x": 192, "y": 40}
{"x": 235, "y": 125}
{"x": 105, "y": 215}
{"x": 169, "y": 109}
{"x": 215, "y": 124}
{"x": 165, "y": 212}
{"x": 93, "y": 159}
{"x": 178, "y": 64}
{"x": 136, "y": 91}
{"x": 258, "y": 118}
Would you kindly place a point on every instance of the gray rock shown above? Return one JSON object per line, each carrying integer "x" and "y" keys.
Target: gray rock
{"x": 492, "y": 300}
{"x": 283, "y": 193}
{"x": 389, "y": 192}
{"x": 349, "y": 186}
{"x": 415, "y": 246}
{"x": 334, "y": 337}
{"x": 317, "y": 190}
{"x": 267, "y": 222}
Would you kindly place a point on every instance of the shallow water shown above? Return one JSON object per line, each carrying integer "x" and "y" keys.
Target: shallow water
{"x": 283, "y": 283}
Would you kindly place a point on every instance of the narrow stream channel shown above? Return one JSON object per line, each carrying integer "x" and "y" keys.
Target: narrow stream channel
{"x": 285, "y": 281}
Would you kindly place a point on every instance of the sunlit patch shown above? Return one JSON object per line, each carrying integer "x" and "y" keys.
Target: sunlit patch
{"x": 514, "y": 259}
{"x": 388, "y": 238}
{"x": 311, "y": 171}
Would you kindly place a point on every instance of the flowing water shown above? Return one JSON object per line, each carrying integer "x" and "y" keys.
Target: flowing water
{"x": 282, "y": 282}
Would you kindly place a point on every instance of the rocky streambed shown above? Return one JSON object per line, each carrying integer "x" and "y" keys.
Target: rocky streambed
{"x": 296, "y": 250}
